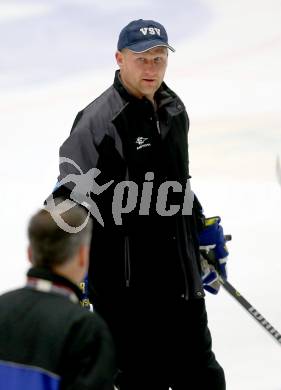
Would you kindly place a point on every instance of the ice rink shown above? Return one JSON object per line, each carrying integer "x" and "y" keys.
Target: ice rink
{"x": 56, "y": 56}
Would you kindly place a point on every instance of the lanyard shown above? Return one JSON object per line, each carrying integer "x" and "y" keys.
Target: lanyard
{"x": 48, "y": 286}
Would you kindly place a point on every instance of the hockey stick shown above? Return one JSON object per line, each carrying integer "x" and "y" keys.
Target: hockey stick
{"x": 250, "y": 309}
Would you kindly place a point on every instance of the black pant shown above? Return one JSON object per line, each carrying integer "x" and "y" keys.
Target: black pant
{"x": 163, "y": 344}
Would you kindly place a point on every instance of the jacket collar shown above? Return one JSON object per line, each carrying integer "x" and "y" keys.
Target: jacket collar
{"x": 164, "y": 95}
{"x": 44, "y": 279}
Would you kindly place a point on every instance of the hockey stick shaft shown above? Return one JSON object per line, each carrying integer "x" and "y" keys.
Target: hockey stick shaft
{"x": 247, "y": 306}
{"x": 251, "y": 310}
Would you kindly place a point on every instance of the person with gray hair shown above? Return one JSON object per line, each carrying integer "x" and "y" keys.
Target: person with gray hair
{"x": 47, "y": 340}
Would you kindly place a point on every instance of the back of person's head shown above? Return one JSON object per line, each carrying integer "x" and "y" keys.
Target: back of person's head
{"x": 50, "y": 244}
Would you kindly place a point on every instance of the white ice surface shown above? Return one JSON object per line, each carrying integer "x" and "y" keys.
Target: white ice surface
{"x": 227, "y": 71}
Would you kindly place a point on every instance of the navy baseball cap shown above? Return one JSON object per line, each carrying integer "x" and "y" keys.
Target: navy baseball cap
{"x": 142, "y": 35}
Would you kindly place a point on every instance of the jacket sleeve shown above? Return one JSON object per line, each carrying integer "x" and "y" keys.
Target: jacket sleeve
{"x": 198, "y": 213}
{"x": 90, "y": 357}
{"x": 78, "y": 154}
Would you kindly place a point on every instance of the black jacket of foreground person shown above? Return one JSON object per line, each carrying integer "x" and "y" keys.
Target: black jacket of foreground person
{"x": 48, "y": 341}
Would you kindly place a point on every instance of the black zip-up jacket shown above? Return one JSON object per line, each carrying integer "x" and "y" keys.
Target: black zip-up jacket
{"x": 124, "y": 137}
{"x": 48, "y": 341}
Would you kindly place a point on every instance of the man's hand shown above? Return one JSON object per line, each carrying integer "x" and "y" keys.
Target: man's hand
{"x": 214, "y": 251}
{"x": 210, "y": 277}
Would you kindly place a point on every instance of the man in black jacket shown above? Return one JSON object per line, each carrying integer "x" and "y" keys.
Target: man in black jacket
{"x": 126, "y": 160}
{"x": 47, "y": 340}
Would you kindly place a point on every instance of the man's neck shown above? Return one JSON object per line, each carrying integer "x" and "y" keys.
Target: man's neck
{"x": 138, "y": 96}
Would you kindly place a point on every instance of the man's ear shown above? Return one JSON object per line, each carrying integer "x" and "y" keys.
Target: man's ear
{"x": 119, "y": 58}
{"x": 29, "y": 254}
{"x": 84, "y": 256}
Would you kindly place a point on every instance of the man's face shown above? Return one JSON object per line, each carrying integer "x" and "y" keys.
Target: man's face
{"x": 143, "y": 73}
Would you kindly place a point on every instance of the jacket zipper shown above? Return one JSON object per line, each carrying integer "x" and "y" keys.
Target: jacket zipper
{"x": 158, "y": 126}
{"x": 127, "y": 262}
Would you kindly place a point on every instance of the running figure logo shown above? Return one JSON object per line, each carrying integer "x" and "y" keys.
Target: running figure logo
{"x": 84, "y": 185}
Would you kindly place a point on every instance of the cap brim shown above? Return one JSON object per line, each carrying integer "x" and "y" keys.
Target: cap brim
{"x": 141, "y": 47}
